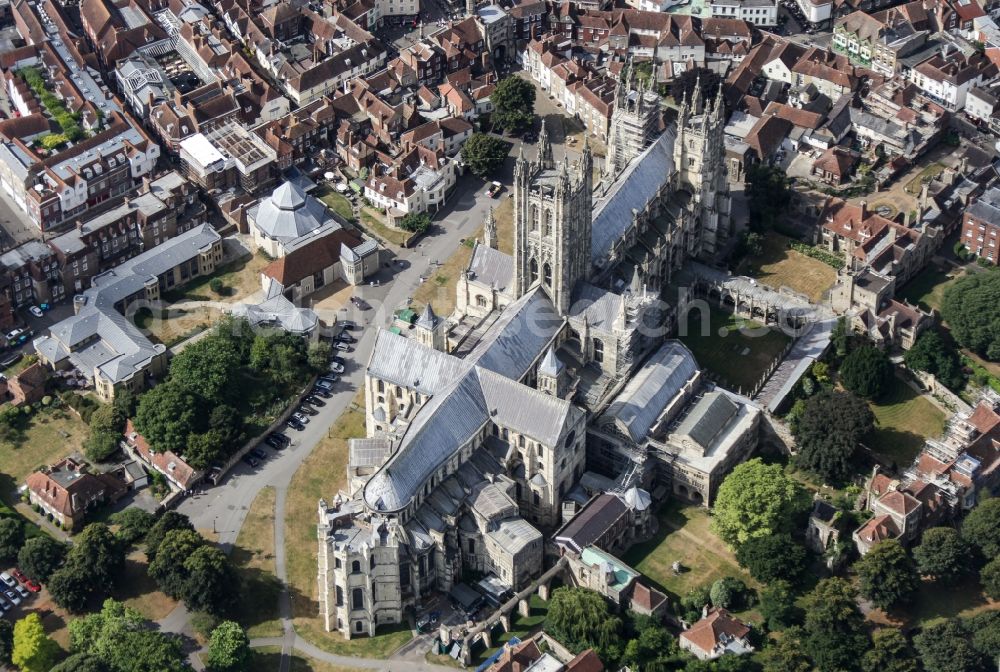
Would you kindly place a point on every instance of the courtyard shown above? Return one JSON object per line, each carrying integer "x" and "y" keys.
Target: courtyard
{"x": 684, "y": 536}
{"x": 781, "y": 266}
{"x": 904, "y": 420}
{"x": 736, "y": 352}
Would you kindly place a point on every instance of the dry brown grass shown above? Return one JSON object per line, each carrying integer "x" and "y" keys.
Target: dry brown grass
{"x": 321, "y": 475}
{"x": 137, "y": 590}
{"x": 253, "y": 555}
{"x": 439, "y": 287}
{"x": 781, "y": 266}
{"x": 268, "y": 659}
{"x": 51, "y": 433}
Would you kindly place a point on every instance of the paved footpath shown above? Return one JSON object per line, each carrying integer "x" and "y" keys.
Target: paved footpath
{"x": 223, "y": 509}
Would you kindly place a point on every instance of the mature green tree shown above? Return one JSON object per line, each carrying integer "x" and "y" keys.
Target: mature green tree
{"x": 212, "y": 584}
{"x": 41, "y": 556}
{"x": 970, "y": 309}
{"x": 205, "y": 448}
{"x": 946, "y": 647}
{"x": 70, "y": 587}
{"x": 829, "y": 431}
{"x": 981, "y": 527}
{"x": 729, "y": 593}
{"x": 787, "y": 654}
{"x": 168, "y": 567}
{"x": 887, "y": 574}
{"x": 6, "y": 641}
{"x": 11, "y": 538}
{"x": 121, "y": 639}
{"x": 100, "y": 445}
{"x": 943, "y": 554}
{"x": 867, "y": 372}
{"x": 931, "y": 354}
{"x": 580, "y": 619}
{"x": 228, "y": 648}
{"x": 133, "y": 524}
{"x": 33, "y": 650}
{"x": 989, "y": 577}
{"x": 205, "y": 369}
{"x": 80, "y": 662}
{"x": 513, "y": 103}
{"x": 890, "y": 652}
{"x": 835, "y": 634}
{"x": 777, "y": 605}
{"x": 768, "y": 195}
{"x": 167, "y": 522}
{"x": 167, "y": 415}
{"x": 774, "y": 557}
{"x": 650, "y": 646}
{"x": 415, "y": 222}
{"x": 756, "y": 500}
{"x": 97, "y": 549}
{"x": 985, "y": 629}
{"x": 694, "y": 601}
{"x": 318, "y": 356}
{"x": 484, "y": 154}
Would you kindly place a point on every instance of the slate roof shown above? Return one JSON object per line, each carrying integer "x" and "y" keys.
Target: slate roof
{"x": 708, "y": 417}
{"x": 635, "y": 187}
{"x": 492, "y": 267}
{"x": 592, "y": 522}
{"x": 465, "y": 394}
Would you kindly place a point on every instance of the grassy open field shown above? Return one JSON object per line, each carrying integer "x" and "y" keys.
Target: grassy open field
{"x": 927, "y": 174}
{"x": 137, "y": 590}
{"x": 904, "y": 420}
{"x": 322, "y": 474}
{"x": 336, "y": 202}
{"x": 50, "y": 434}
{"x": 253, "y": 555}
{"x": 268, "y": 659}
{"x": 172, "y": 326}
{"x": 728, "y": 348}
{"x": 781, "y": 266}
{"x": 927, "y": 288}
{"x": 684, "y": 536}
{"x": 934, "y": 603}
{"x": 439, "y": 287}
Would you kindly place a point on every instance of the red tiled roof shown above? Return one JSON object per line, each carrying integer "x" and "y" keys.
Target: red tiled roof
{"x": 878, "y": 529}
{"x": 587, "y": 661}
{"x": 707, "y": 633}
{"x": 900, "y": 502}
{"x": 168, "y": 463}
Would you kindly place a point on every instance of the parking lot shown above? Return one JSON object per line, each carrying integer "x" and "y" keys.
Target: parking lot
{"x": 18, "y": 593}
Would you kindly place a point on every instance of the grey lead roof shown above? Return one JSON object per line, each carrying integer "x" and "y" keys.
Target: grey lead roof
{"x": 633, "y": 189}
{"x": 647, "y": 395}
{"x": 708, "y": 417}
{"x": 492, "y": 267}
{"x": 466, "y": 393}
{"x": 515, "y": 535}
{"x": 290, "y": 213}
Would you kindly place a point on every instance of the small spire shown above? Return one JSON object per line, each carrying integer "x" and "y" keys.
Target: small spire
{"x": 490, "y": 230}
{"x": 544, "y": 147}
{"x": 427, "y": 319}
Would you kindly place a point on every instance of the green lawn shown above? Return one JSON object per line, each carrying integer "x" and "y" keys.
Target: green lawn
{"x": 927, "y": 288}
{"x": 268, "y": 659}
{"x": 520, "y": 627}
{"x": 253, "y": 555}
{"x": 780, "y": 266}
{"x": 684, "y": 536}
{"x": 934, "y": 602}
{"x": 926, "y": 175}
{"x": 338, "y": 203}
{"x": 904, "y": 420}
{"x": 735, "y": 350}
{"x": 48, "y": 435}
{"x": 374, "y": 222}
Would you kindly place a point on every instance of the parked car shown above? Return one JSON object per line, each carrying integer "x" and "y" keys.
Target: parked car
{"x": 274, "y": 443}
{"x": 308, "y": 410}
{"x": 301, "y": 417}
{"x": 336, "y": 368}
{"x": 340, "y": 360}
{"x": 322, "y": 392}
{"x": 426, "y": 622}
{"x": 295, "y": 424}
{"x": 7, "y": 580}
{"x": 343, "y": 347}
{"x": 329, "y": 378}
{"x": 22, "y": 591}
{"x": 495, "y": 189}
{"x": 258, "y": 453}
{"x": 12, "y": 597}
{"x": 344, "y": 337}
{"x": 32, "y": 585}
{"x": 314, "y": 400}
{"x": 5, "y": 605}
{"x": 252, "y": 461}
{"x": 36, "y": 311}
{"x": 19, "y": 575}
{"x": 350, "y": 326}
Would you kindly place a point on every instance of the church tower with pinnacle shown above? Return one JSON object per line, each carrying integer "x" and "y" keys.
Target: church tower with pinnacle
{"x": 699, "y": 160}
{"x": 552, "y": 219}
{"x": 634, "y": 123}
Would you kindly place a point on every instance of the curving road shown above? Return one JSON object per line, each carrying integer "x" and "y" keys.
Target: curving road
{"x": 224, "y": 508}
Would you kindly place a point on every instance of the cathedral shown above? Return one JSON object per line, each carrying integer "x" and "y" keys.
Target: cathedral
{"x": 484, "y": 427}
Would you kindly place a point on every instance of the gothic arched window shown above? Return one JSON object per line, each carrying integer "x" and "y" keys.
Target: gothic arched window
{"x": 547, "y": 231}
{"x": 534, "y": 218}
{"x": 480, "y": 300}
{"x": 533, "y": 270}
{"x": 598, "y": 350}
{"x": 547, "y": 275}
{"x": 357, "y": 599}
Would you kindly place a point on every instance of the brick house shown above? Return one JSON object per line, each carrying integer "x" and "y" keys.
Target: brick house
{"x": 66, "y": 491}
